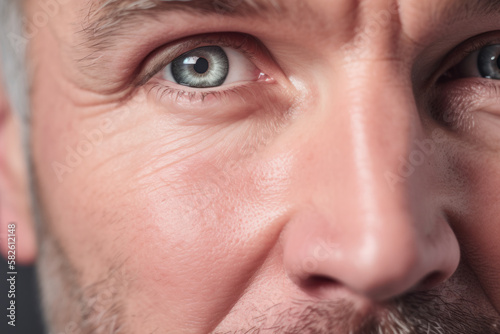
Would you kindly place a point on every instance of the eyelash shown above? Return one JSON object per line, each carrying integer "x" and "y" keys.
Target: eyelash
{"x": 255, "y": 51}
{"x": 467, "y": 48}
{"x": 243, "y": 43}
{"x": 162, "y": 91}
{"x": 450, "y": 92}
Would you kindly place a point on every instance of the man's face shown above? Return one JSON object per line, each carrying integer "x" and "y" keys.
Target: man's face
{"x": 267, "y": 166}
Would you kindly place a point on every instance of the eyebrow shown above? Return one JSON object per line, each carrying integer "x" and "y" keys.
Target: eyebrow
{"x": 466, "y": 9}
{"x": 106, "y": 18}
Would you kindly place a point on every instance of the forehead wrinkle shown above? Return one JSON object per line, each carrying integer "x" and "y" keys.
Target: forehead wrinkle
{"x": 107, "y": 22}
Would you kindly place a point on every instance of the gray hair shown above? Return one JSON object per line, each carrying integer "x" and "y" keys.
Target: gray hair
{"x": 12, "y": 57}
{"x": 14, "y": 67}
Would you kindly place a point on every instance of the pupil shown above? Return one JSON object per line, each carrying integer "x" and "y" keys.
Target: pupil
{"x": 201, "y": 66}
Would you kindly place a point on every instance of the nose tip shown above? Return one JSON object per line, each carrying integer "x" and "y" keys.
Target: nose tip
{"x": 322, "y": 257}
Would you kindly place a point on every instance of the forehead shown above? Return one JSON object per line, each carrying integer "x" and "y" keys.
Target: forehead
{"x": 250, "y": 6}
{"x": 104, "y": 19}
{"x": 96, "y": 28}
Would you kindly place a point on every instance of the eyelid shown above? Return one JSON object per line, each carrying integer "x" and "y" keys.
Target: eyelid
{"x": 161, "y": 57}
{"x": 466, "y": 49}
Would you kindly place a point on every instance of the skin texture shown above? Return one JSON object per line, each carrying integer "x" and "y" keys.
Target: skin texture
{"x": 350, "y": 190}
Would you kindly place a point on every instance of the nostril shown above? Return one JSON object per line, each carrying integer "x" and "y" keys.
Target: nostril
{"x": 433, "y": 279}
{"x": 315, "y": 282}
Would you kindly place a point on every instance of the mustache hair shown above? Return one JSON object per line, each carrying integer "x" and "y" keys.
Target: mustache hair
{"x": 100, "y": 307}
{"x": 428, "y": 313}
{"x": 417, "y": 313}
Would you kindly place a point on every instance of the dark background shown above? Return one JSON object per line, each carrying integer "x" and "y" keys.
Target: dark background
{"x": 28, "y": 314}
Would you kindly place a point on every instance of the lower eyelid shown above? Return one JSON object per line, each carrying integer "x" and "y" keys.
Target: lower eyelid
{"x": 461, "y": 99}
{"x": 213, "y": 106}
{"x": 187, "y": 96}
{"x": 182, "y": 96}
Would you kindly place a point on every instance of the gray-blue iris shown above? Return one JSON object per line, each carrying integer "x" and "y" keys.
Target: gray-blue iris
{"x": 489, "y": 62}
{"x": 204, "y": 67}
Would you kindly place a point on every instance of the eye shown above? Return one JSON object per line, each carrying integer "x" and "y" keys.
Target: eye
{"x": 210, "y": 66}
{"x": 484, "y": 63}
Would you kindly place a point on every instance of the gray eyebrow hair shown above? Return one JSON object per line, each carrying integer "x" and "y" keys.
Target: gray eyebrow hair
{"x": 105, "y": 18}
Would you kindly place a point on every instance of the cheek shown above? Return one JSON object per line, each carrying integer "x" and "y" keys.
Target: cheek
{"x": 478, "y": 225}
{"x": 189, "y": 225}
{"x": 211, "y": 225}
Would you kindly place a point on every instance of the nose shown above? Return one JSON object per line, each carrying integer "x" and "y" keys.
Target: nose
{"x": 367, "y": 219}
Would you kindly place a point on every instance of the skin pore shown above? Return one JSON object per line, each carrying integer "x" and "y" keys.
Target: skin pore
{"x": 343, "y": 180}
